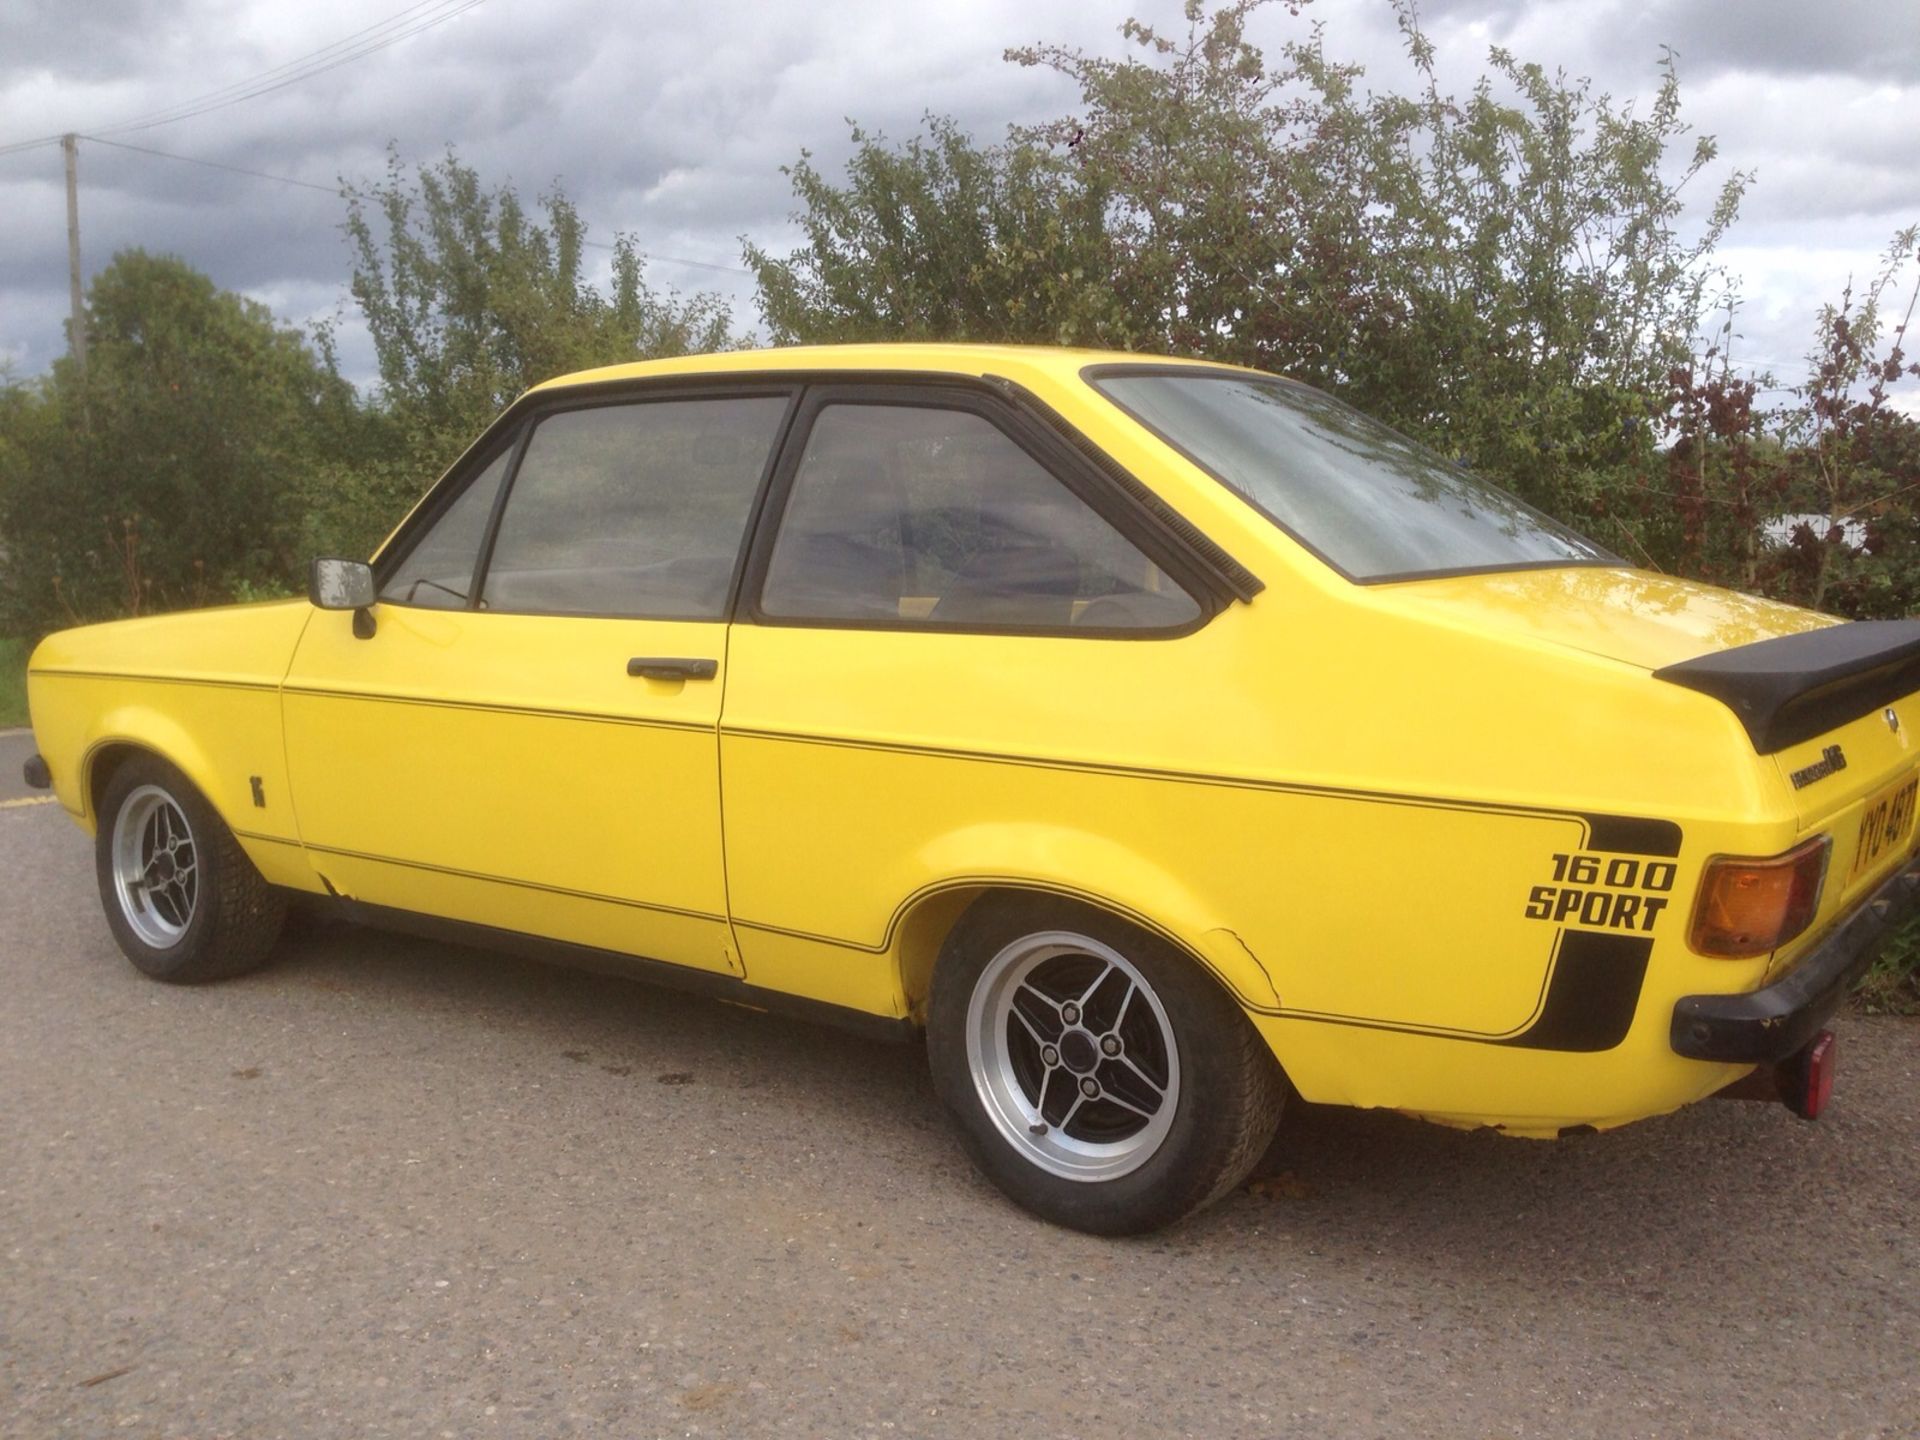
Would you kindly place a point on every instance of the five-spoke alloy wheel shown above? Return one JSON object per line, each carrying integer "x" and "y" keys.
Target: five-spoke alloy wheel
{"x": 1101, "y": 1077}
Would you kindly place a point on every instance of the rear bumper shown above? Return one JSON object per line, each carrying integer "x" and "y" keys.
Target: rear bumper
{"x": 1767, "y": 1026}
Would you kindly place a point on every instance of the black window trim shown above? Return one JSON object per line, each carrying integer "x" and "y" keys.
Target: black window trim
{"x": 1226, "y": 574}
{"x": 1191, "y": 558}
{"x": 513, "y": 432}
{"x": 1094, "y": 374}
{"x": 1040, "y": 442}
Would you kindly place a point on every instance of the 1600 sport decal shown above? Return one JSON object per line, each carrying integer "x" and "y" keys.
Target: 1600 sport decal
{"x": 1603, "y": 892}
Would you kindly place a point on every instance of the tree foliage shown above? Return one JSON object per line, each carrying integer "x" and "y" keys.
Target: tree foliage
{"x": 943, "y": 238}
{"x": 1510, "y": 273}
{"x": 164, "y": 476}
{"x": 1812, "y": 500}
{"x": 471, "y": 298}
{"x": 210, "y": 451}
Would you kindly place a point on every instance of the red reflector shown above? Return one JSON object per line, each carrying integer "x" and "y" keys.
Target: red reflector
{"x": 1807, "y": 1079}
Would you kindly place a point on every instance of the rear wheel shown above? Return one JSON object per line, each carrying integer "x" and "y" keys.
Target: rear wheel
{"x": 182, "y": 899}
{"x": 1100, "y": 1077}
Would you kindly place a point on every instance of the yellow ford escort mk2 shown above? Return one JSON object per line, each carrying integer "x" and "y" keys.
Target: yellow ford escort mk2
{"x": 1162, "y": 738}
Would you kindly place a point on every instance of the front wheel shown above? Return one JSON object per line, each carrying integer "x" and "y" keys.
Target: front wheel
{"x": 1099, "y": 1076}
{"x": 182, "y": 899}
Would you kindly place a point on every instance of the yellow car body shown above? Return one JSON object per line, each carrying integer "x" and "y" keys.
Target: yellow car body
{"x": 1357, "y": 807}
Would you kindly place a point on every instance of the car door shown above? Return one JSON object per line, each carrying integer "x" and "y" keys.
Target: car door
{"x": 527, "y": 738}
{"x": 941, "y": 617}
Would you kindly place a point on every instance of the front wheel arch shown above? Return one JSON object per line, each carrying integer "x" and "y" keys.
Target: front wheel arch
{"x": 102, "y": 763}
{"x": 136, "y": 730}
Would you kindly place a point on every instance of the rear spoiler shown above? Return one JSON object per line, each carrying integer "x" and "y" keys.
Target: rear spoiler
{"x": 1795, "y": 687}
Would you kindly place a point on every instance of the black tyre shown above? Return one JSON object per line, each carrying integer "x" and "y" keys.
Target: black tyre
{"x": 181, "y": 896}
{"x": 1100, "y": 1077}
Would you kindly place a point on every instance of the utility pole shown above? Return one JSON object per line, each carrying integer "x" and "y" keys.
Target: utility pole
{"x": 70, "y": 143}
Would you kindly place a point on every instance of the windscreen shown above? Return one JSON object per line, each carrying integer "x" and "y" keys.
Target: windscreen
{"x": 1373, "y": 503}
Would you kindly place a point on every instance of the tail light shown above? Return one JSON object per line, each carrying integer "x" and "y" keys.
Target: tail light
{"x": 1748, "y": 907}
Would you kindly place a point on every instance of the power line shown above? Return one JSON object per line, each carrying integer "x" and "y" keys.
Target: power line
{"x": 673, "y": 259}
{"x": 212, "y": 164}
{"x": 279, "y": 71}
{"x": 188, "y": 109}
{"x": 17, "y": 146}
{"x": 335, "y": 190}
{"x": 412, "y": 20}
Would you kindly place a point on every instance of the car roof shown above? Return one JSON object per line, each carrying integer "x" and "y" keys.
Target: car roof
{"x": 1056, "y": 363}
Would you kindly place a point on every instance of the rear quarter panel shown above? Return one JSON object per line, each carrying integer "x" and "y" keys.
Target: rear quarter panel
{"x": 1342, "y": 811}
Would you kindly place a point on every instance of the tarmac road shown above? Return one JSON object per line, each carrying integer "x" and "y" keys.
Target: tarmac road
{"x": 390, "y": 1188}
{"x": 15, "y": 747}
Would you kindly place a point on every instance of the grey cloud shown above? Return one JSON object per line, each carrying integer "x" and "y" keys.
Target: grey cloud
{"x": 1878, "y": 38}
{"x": 1859, "y": 38}
{"x": 90, "y": 40}
{"x": 672, "y": 122}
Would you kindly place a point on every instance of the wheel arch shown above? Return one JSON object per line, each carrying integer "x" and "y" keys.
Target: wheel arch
{"x": 924, "y": 920}
{"x": 127, "y": 733}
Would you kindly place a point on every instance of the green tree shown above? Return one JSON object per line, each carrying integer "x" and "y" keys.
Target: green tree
{"x": 163, "y": 478}
{"x": 944, "y": 239}
{"x": 470, "y": 299}
{"x": 1506, "y": 276}
{"x": 1815, "y": 499}
{"x": 1857, "y": 457}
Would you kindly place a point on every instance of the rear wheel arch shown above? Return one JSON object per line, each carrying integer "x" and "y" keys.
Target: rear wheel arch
{"x": 926, "y": 920}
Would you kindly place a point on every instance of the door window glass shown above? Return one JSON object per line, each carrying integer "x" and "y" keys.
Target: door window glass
{"x": 632, "y": 510}
{"x": 932, "y": 516}
{"x": 438, "y": 571}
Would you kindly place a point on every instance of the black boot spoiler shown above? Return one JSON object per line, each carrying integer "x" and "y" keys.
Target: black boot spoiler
{"x": 1795, "y": 687}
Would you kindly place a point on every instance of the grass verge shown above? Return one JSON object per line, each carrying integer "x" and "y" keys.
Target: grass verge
{"x": 1892, "y": 986}
{"x": 13, "y": 683}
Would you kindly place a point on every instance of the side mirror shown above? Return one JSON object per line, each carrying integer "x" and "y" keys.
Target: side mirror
{"x": 341, "y": 584}
{"x": 334, "y": 584}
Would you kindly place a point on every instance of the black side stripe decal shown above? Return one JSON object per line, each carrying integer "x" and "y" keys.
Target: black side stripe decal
{"x": 1632, "y": 835}
{"x": 1593, "y": 995}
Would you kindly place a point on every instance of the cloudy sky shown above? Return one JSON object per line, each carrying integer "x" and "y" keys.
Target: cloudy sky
{"x": 671, "y": 121}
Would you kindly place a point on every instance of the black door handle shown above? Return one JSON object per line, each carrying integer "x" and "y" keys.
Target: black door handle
{"x": 669, "y": 667}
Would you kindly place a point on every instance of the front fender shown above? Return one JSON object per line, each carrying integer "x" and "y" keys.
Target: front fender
{"x": 224, "y": 738}
{"x": 201, "y": 689}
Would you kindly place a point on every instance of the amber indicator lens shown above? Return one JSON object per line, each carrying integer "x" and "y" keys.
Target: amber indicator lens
{"x": 1748, "y": 907}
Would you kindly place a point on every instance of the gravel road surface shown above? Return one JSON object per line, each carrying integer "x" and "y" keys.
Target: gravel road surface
{"x": 392, "y": 1188}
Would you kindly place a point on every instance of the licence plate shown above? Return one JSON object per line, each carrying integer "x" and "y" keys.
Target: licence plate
{"x": 1885, "y": 825}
